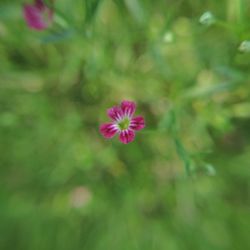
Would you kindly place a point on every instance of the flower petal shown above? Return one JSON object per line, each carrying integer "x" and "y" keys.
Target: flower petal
{"x": 38, "y": 16}
{"x": 115, "y": 113}
{"x": 127, "y": 136}
{"x": 128, "y": 108}
{"x": 137, "y": 123}
{"x": 108, "y": 130}
{"x": 34, "y": 17}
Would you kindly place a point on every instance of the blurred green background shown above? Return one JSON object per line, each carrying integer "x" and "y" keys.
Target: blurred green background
{"x": 182, "y": 184}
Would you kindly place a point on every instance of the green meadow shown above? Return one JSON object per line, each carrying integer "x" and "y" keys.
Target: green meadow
{"x": 183, "y": 183}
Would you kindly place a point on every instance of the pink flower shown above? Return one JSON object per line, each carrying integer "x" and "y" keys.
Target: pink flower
{"x": 38, "y": 16}
{"x": 123, "y": 122}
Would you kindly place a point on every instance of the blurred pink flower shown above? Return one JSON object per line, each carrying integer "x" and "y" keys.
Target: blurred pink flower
{"x": 123, "y": 122}
{"x": 38, "y": 16}
{"x": 80, "y": 197}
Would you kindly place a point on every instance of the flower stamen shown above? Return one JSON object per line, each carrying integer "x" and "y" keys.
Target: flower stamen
{"x": 124, "y": 124}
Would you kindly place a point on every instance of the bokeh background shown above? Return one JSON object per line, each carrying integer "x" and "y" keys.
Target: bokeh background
{"x": 182, "y": 184}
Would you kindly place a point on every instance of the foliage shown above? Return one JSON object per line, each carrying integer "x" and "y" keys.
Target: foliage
{"x": 183, "y": 183}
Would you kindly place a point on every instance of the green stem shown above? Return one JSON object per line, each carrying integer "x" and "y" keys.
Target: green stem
{"x": 184, "y": 156}
{"x": 180, "y": 148}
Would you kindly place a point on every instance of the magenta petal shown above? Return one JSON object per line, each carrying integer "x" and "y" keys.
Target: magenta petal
{"x": 115, "y": 113}
{"x": 108, "y": 130}
{"x": 137, "y": 123}
{"x": 34, "y": 18}
{"x": 128, "y": 108}
{"x": 127, "y": 136}
{"x": 38, "y": 16}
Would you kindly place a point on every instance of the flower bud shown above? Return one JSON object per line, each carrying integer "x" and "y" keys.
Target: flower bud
{"x": 244, "y": 46}
{"x": 207, "y": 18}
